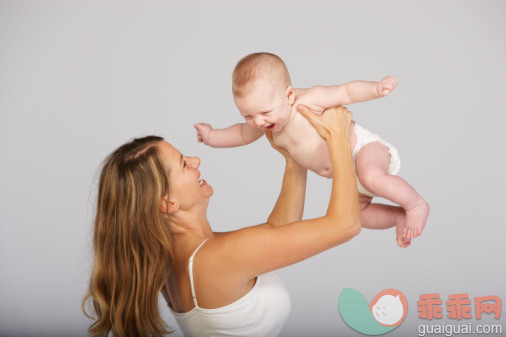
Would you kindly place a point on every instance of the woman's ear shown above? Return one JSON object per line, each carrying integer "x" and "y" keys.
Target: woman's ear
{"x": 290, "y": 95}
{"x": 167, "y": 206}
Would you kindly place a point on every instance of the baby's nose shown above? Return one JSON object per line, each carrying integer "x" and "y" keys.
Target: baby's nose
{"x": 258, "y": 122}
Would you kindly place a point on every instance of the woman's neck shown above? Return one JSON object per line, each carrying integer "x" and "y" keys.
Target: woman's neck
{"x": 183, "y": 223}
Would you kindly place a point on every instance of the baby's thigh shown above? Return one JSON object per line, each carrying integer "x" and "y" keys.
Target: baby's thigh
{"x": 373, "y": 158}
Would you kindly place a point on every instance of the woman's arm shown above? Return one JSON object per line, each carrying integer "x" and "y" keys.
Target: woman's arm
{"x": 290, "y": 204}
{"x": 252, "y": 251}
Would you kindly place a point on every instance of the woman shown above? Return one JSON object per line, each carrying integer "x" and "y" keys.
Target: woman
{"x": 151, "y": 222}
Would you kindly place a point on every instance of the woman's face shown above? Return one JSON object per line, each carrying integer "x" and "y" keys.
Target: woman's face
{"x": 187, "y": 188}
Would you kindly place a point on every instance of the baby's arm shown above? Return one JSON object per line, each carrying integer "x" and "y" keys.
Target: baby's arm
{"x": 352, "y": 92}
{"x": 235, "y": 135}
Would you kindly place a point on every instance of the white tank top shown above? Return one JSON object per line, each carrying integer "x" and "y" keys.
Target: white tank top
{"x": 261, "y": 312}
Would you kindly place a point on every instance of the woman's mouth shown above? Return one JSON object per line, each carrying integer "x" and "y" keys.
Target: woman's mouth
{"x": 201, "y": 181}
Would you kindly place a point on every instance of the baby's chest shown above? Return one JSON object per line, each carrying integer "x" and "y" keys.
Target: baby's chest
{"x": 309, "y": 150}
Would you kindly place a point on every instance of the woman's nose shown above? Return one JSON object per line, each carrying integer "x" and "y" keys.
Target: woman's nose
{"x": 195, "y": 162}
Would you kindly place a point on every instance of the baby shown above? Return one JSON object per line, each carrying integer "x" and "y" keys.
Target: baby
{"x": 266, "y": 99}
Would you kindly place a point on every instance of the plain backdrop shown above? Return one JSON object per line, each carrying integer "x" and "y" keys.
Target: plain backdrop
{"x": 79, "y": 78}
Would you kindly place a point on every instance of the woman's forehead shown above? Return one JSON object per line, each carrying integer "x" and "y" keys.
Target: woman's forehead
{"x": 169, "y": 152}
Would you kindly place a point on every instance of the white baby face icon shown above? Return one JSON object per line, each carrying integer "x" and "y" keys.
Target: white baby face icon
{"x": 388, "y": 310}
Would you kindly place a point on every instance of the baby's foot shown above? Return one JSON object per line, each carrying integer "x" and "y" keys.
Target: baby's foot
{"x": 400, "y": 225}
{"x": 416, "y": 218}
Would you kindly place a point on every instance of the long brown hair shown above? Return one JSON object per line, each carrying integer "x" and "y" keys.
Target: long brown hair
{"x": 132, "y": 246}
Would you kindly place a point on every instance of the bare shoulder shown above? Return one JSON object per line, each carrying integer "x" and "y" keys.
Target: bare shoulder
{"x": 299, "y": 91}
{"x": 309, "y": 97}
{"x": 306, "y": 93}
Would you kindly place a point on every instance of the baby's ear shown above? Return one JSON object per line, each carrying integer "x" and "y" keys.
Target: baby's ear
{"x": 290, "y": 94}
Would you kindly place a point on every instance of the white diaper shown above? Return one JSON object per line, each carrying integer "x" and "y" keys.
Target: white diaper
{"x": 364, "y": 137}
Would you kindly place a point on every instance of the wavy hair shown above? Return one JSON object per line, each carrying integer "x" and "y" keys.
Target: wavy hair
{"x": 132, "y": 245}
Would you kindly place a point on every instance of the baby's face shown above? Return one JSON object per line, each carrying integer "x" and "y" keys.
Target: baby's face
{"x": 266, "y": 106}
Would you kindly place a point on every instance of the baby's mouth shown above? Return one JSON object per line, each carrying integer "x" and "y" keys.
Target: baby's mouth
{"x": 269, "y": 126}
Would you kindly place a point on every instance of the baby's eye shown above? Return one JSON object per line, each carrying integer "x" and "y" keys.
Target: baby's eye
{"x": 184, "y": 163}
{"x": 265, "y": 113}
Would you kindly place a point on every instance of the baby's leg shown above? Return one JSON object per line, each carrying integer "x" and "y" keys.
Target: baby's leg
{"x": 372, "y": 164}
{"x": 380, "y": 216}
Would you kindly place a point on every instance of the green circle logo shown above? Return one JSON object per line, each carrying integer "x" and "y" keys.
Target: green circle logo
{"x": 386, "y": 311}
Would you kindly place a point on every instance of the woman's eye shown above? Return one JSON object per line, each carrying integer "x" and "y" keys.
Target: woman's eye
{"x": 184, "y": 163}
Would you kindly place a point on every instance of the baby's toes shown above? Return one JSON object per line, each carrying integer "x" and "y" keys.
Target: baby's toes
{"x": 400, "y": 242}
{"x": 405, "y": 233}
{"x": 413, "y": 234}
{"x": 405, "y": 243}
{"x": 416, "y": 232}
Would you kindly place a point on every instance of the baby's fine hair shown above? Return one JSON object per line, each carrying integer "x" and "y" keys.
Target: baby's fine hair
{"x": 256, "y": 65}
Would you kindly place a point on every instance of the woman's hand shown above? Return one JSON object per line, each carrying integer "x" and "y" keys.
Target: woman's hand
{"x": 334, "y": 120}
{"x": 285, "y": 153}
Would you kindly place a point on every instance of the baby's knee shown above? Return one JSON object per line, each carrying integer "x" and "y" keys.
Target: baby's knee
{"x": 371, "y": 178}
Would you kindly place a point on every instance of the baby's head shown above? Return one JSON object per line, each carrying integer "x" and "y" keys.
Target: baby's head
{"x": 262, "y": 91}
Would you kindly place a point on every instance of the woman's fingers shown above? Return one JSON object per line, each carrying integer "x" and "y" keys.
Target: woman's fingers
{"x": 340, "y": 118}
{"x": 308, "y": 114}
{"x": 315, "y": 120}
{"x": 336, "y": 119}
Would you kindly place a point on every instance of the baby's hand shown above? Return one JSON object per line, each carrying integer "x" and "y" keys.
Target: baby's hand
{"x": 203, "y": 131}
{"x": 386, "y": 85}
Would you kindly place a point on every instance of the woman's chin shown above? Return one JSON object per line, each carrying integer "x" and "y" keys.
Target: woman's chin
{"x": 208, "y": 190}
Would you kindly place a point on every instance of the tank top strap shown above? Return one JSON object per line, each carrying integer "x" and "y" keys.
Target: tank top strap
{"x": 190, "y": 267}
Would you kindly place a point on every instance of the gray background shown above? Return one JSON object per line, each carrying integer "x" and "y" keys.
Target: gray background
{"x": 77, "y": 79}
